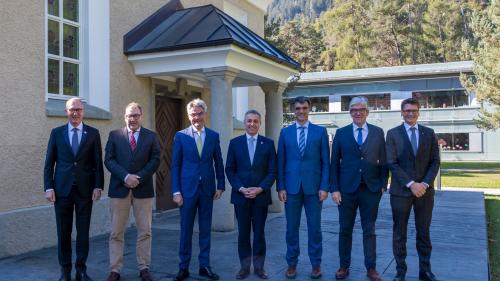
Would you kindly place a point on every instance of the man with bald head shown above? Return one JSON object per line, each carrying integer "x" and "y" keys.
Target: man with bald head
{"x": 73, "y": 179}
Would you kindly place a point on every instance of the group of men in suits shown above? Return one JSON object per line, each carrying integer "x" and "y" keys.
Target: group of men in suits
{"x": 356, "y": 173}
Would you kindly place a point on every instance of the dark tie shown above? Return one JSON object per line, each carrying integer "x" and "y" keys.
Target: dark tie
{"x": 133, "y": 143}
{"x": 74, "y": 141}
{"x": 302, "y": 140}
{"x": 360, "y": 136}
{"x": 413, "y": 140}
{"x": 251, "y": 149}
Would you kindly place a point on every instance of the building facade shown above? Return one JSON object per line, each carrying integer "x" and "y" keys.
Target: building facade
{"x": 445, "y": 105}
{"x": 53, "y": 50}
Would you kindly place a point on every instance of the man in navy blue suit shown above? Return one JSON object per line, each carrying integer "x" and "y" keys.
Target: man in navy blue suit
{"x": 413, "y": 158}
{"x": 73, "y": 179}
{"x": 358, "y": 179}
{"x": 196, "y": 153}
{"x": 303, "y": 180}
{"x": 251, "y": 170}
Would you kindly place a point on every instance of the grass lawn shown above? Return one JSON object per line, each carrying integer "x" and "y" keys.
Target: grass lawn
{"x": 493, "y": 216}
{"x": 470, "y": 165}
{"x": 471, "y": 179}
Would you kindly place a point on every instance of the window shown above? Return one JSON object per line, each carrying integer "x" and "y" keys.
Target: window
{"x": 318, "y": 104}
{"x": 471, "y": 142}
{"x": 63, "y": 47}
{"x": 375, "y": 102}
{"x": 442, "y": 99}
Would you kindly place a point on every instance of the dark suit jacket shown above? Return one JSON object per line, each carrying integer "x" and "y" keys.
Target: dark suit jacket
{"x": 121, "y": 160}
{"x": 241, "y": 173}
{"x": 350, "y": 163}
{"x": 310, "y": 171}
{"x": 188, "y": 167}
{"x": 84, "y": 169}
{"x": 404, "y": 166}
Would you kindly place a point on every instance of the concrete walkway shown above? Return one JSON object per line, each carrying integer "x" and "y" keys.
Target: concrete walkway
{"x": 458, "y": 234}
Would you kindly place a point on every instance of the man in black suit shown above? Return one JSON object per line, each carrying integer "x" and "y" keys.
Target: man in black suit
{"x": 359, "y": 177}
{"x": 132, "y": 157}
{"x": 73, "y": 179}
{"x": 251, "y": 170}
{"x": 413, "y": 158}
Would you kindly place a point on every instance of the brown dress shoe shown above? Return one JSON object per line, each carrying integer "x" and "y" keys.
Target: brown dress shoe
{"x": 145, "y": 275}
{"x": 113, "y": 276}
{"x": 261, "y": 273}
{"x": 243, "y": 273}
{"x": 316, "y": 272}
{"x": 373, "y": 275}
{"x": 342, "y": 273}
{"x": 291, "y": 272}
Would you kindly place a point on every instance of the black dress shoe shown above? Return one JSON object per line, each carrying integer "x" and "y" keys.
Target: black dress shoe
{"x": 207, "y": 272}
{"x": 399, "y": 277}
{"x": 82, "y": 276}
{"x": 427, "y": 276}
{"x": 261, "y": 273}
{"x": 65, "y": 276}
{"x": 181, "y": 275}
{"x": 242, "y": 274}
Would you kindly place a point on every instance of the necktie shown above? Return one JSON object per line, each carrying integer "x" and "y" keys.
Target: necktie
{"x": 251, "y": 149}
{"x": 413, "y": 140}
{"x": 74, "y": 141}
{"x": 133, "y": 143}
{"x": 199, "y": 144}
{"x": 360, "y": 136}
{"x": 302, "y": 140}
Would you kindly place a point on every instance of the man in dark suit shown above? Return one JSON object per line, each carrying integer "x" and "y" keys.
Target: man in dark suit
{"x": 303, "y": 180}
{"x": 413, "y": 158}
{"x": 251, "y": 170}
{"x": 358, "y": 178}
{"x": 196, "y": 153}
{"x": 132, "y": 157}
{"x": 73, "y": 179}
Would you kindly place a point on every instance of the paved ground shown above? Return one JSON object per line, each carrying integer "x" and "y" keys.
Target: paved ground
{"x": 458, "y": 233}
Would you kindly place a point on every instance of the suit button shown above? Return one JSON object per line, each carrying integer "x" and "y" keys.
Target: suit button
{"x": 74, "y": 163}
{"x": 360, "y": 170}
{"x": 362, "y": 158}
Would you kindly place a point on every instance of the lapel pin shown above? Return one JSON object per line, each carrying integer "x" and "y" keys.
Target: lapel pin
{"x": 261, "y": 142}
{"x": 84, "y": 132}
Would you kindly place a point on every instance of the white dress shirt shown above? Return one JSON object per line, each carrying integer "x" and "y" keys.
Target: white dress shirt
{"x": 79, "y": 132}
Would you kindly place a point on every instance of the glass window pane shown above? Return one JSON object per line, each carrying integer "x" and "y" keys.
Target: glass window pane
{"x": 70, "y": 43}
{"x": 53, "y": 37}
{"x": 53, "y": 76}
{"x": 70, "y": 10}
{"x": 70, "y": 76}
{"x": 53, "y": 7}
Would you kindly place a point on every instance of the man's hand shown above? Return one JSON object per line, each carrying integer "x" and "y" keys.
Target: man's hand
{"x": 322, "y": 195}
{"x": 218, "y": 194}
{"x": 282, "y": 195}
{"x": 336, "y": 197}
{"x": 252, "y": 192}
{"x": 178, "y": 200}
{"x": 418, "y": 189}
{"x": 96, "y": 195}
{"x": 132, "y": 181}
{"x": 50, "y": 196}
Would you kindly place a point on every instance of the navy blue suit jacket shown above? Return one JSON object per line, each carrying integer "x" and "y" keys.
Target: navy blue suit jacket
{"x": 404, "y": 166}
{"x": 351, "y": 163}
{"x": 241, "y": 173}
{"x": 120, "y": 160}
{"x": 62, "y": 168}
{"x": 311, "y": 171}
{"x": 188, "y": 167}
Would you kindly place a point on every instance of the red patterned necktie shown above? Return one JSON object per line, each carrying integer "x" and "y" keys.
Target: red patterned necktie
{"x": 133, "y": 144}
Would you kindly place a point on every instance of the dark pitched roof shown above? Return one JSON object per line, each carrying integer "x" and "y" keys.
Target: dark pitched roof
{"x": 171, "y": 29}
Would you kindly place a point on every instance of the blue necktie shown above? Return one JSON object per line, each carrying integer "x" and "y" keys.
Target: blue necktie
{"x": 413, "y": 140}
{"x": 302, "y": 140}
{"x": 251, "y": 149}
{"x": 74, "y": 141}
{"x": 360, "y": 136}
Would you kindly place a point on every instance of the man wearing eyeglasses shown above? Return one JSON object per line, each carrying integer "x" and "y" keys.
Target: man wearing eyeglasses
{"x": 303, "y": 180}
{"x": 132, "y": 157}
{"x": 413, "y": 158}
{"x": 196, "y": 164}
{"x": 73, "y": 179}
{"x": 358, "y": 178}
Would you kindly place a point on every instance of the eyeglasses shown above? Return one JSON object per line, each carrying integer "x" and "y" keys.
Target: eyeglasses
{"x": 133, "y": 116}
{"x": 75, "y": 110}
{"x": 301, "y": 108}
{"x": 358, "y": 110}
{"x": 408, "y": 111}
{"x": 199, "y": 114}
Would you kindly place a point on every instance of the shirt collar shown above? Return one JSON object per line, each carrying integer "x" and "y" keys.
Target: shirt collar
{"x": 195, "y": 131}
{"x": 253, "y": 137}
{"x": 355, "y": 127}
{"x": 407, "y": 127}
{"x": 306, "y": 125}
{"x": 136, "y": 131}
{"x": 79, "y": 127}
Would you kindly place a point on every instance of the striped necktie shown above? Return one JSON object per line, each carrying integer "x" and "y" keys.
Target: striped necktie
{"x": 302, "y": 140}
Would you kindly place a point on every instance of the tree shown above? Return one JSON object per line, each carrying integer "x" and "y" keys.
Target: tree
{"x": 485, "y": 52}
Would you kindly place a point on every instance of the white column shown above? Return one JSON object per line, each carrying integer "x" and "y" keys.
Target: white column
{"x": 221, "y": 120}
{"x": 274, "y": 122}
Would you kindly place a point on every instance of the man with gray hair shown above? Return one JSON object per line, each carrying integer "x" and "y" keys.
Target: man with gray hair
{"x": 196, "y": 152}
{"x": 358, "y": 176}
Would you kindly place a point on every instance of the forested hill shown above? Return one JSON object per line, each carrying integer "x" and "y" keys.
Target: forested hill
{"x": 288, "y": 10}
